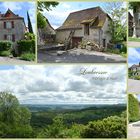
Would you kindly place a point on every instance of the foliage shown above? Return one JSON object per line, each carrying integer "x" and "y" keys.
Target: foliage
{"x": 111, "y": 127}
{"x": 134, "y": 5}
{"x": 55, "y": 130}
{"x": 133, "y": 108}
{"x": 5, "y": 53}
{"x": 41, "y": 21}
{"x": 29, "y": 36}
{"x": 27, "y": 56}
{"x": 5, "y": 45}
{"x": 26, "y": 46}
{"x": 29, "y": 23}
{"x": 46, "y": 5}
{"x": 14, "y": 119}
{"x": 134, "y": 39}
{"x": 117, "y": 25}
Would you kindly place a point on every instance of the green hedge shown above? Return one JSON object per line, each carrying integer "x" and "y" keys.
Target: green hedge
{"x": 25, "y": 46}
{"x": 5, "y": 45}
{"x": 133, "y": 109}
{"x": 28, "y": 57}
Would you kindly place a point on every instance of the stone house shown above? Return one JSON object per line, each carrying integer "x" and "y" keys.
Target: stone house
{"x": 86, "y": 25}
{"x": 47, "y": 34}
{"x": 12, "y": 27}
{"x": 135, "y": 69}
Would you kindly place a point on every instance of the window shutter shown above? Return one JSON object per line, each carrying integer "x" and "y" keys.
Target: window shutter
{"x": 12, "y": 22}
{"x": 5, "y": 37}
{"x": 4, "y": 24}
{"x": 13, "y": 38}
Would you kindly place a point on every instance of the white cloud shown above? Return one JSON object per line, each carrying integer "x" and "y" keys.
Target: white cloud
{"x": 65, "y": 5}
{"x": 64, "y": 84}
{"x": 14, "y": 6}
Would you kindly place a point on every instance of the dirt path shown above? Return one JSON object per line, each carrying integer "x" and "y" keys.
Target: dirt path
{"x": 134, "y": 130}
{"x": 133, "y": 86}
{"x": 133, "y": 44}
{"x": 7, "y": 60}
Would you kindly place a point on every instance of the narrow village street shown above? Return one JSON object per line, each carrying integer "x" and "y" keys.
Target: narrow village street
{"x": 134, "y": 130}
{"x": 79, "y": 56}
{"x": 133, "y": 86}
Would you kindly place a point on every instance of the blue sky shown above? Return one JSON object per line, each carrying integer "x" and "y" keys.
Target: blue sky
{"x": 35, "y": 84}
{"x": 58, "y": 14}
{"x": 133, "y": 56}
{"x": 21, "y": 9}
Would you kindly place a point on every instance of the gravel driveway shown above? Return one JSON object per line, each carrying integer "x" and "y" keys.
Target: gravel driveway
{"x": 7, "y": 60}
{"x": 134, "y": 130}
{"x": 133, "y": 86}
{"x": 79, "y": 56}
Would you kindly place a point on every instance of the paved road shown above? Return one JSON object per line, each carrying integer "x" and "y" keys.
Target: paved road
{"x": 79, "y": 56}
{"x": 134, "y": 130}
{"x": 133, "y": 86}
{"x": 7, "y": 60}
{"x": 133, "y": 44}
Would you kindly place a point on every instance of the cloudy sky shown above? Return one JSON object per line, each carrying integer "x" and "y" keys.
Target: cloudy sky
{"x": 59, "y": 14}
{"x": 21, "y": 9}
{"x": 133, "y": 56}
{"x": 39, "y": 84}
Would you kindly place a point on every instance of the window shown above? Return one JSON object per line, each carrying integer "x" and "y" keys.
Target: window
{"x": 8, "y": 24}
{"x": 86, "y": 29}
{"x": 9, "y": 37}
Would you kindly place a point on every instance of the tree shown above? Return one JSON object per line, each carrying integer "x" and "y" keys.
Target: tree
{"x": 55, "y": 130}
{"x": 134, "y": 6}
{"x": 117, "y": 25}
{"x": 29, "y": 23}
{"x": 46, "y": 5}
{"x": 14, "y": 119}
{"x": 9, "y": 107}
{"x": 41, "y": 21}
{"x": 133, "y": 108}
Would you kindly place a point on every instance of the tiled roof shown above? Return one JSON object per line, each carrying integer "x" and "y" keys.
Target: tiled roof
{"x": 95, "y": 16}
{"x": 9, "y": 15}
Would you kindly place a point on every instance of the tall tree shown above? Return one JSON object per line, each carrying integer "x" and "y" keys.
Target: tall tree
{"x": 117, "y": 26}
{"x": 134, "y": 7}
{"x": 29, "y": 23}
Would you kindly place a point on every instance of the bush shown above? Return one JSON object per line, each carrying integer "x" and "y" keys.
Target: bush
{"x": 111, "y": 127}
{"x": 5, "y": 45}
{"x": 133, "y": 109}
{"x": 28, "y": 57}
{"x": 26, "y": 46}
{"x": 5, "y": 53}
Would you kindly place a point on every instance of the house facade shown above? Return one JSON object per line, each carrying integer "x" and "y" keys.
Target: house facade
{"x": 130, "y": 24}
{"x": 12, "y": 27}
{"x": 85, "y": 25}
{"x": 135, "y": 69}
{"x": 46, "y": 34}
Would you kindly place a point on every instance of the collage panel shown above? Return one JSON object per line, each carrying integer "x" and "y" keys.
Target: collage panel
{"x": 17, "y": 32}
{"x": 134, "y": 24}
{"x": 134, "y": 116}
{"x": 82, "y": 32}
{"x": 63, "y": 101}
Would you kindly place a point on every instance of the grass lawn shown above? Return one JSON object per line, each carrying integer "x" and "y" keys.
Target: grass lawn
{"x": 134, "y": 39}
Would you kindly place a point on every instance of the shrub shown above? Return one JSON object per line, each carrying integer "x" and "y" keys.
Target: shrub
{"x": 111, "y": 127}
{"x": 113, "y": 50}
{"x": 133, "y": 109}
{"x": 26, "y": 46}
{"x": 28, "y": 57}
{"x": 5, "y": 53}
{"x": 5, "y": 45}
